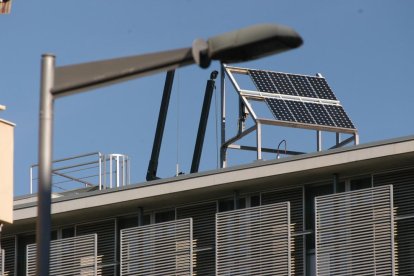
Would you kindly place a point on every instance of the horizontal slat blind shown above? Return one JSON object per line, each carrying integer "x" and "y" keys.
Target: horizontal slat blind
{"x": 8, "y": 244}
{"x": 295, "y": 197}
{"x": 204, "y": 223}
{"x": 158, "y": 249}
{"x": 254, "y": 241}
{"x": 106, "y": 231}
{"x": 354, "y": 233}
{"x": 70, "y": 256}
{"x": 403, "y": 186}
{"x": 2, "y": 262}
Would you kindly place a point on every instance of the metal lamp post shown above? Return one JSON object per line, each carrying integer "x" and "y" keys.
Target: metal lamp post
{"x": 241, "y": 45}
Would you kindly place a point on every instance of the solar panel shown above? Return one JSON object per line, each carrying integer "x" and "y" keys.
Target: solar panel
{"x": 283, "y": 84}
{"x": 303, "y": 99}
{"x": 309, "y": 113}
{"x": 320, "y": 114}
{"x": 302, "y": 86}
{"x": 300, "y": 112}
{"x": 339, "y": 116}
{"x": 321, "y": 88}
{"x": 280, "y": 110}
{"x": 262, "y": 81}
{"x": 290, "y": 84}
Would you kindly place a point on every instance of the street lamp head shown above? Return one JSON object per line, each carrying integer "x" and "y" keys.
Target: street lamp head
{"x": 246, "y": 44}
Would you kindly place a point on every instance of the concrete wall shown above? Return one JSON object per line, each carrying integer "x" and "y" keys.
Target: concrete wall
{"x": 6, "y": 171}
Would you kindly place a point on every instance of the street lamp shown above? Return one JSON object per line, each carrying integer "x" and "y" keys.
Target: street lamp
{"x": 241, "y": 45}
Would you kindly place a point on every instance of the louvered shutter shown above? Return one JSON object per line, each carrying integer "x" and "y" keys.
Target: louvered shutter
{"x": 8, "y": 245}
{"x": 70, "y": 256}
{"x": 295, "y": 197}
{"x": 204, "y": 217}
{"x": 158, "y": 249}
{"x": 403, "y": 186}
{"x": 355, "y": 233}
{"x": 254, "y": 241}
{"x": 106, "y": 232}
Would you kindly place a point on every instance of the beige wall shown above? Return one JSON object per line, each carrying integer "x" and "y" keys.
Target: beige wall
{"x": 6, "y": 171}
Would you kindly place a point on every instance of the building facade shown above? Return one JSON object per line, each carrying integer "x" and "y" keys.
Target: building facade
{"x": 346, "y": 211}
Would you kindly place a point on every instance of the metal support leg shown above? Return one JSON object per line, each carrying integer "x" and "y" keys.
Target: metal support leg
{"x": 338, "y": 138}
{"x": 45, "y": 165}
{"x": 318, "y": 140}
{"x": 356, "y": 139}
{"x": 259, "y": 141}
{"x": 223, "y": 150}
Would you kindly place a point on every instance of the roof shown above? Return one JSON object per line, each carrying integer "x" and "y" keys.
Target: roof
{"x": 260, "y": 175}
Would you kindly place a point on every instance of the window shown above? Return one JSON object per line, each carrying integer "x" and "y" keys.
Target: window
{"x": 295, "y": 196}
{"x": 311, "y": 192}
{"x": 22, "y": 242}
{"x": 164, "y": 216}
{"x": 204, "y": 231}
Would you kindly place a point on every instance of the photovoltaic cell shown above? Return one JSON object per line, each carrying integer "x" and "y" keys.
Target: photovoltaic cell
{"x": 339, "y": 116}
{"x": 300, "y": 112}
{"x": 262, "y": 81}
{"x": 320, "y": 114}
{"x": 302, "y": 86}
{"x": 279, "y": 110}
{"x": 321, "y": 88}
{"x": 282, "y": 83}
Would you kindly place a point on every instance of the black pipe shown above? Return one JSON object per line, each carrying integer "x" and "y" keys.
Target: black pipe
{"x": 202, "y": 126}
{"x": 162, "y": 117}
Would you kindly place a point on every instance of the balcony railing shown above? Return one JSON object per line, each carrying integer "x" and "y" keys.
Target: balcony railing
{"x": 92, "y": 170}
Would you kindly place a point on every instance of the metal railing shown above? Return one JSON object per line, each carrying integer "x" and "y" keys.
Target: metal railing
{"x": 87, "y": 170}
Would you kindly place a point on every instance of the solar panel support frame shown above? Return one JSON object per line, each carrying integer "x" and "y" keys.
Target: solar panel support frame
{"x": 246, "y": 95}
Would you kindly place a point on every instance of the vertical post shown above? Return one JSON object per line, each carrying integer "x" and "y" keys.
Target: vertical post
{"x": 45, "y": 165}
{"x": 223, "y": 151}
{"x": 356, "y": 139}
{"x": 335, "y": 183}
{"x": 31, "y": 180}
{"x": 338, "y": 138}
{"x": 110, "y": 171}
{"x": 140, "y": 216}
{"x": 118, "y": 170}
{"x": 236, "y": 198}
{"x": 259, "y": 140}
{"x": 318, "y": 140}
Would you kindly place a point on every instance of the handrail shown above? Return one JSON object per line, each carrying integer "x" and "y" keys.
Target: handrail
{"x": 100, "y": 169}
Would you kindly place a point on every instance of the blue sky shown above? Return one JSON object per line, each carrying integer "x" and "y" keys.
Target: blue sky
{"x": 363, "y": 48}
